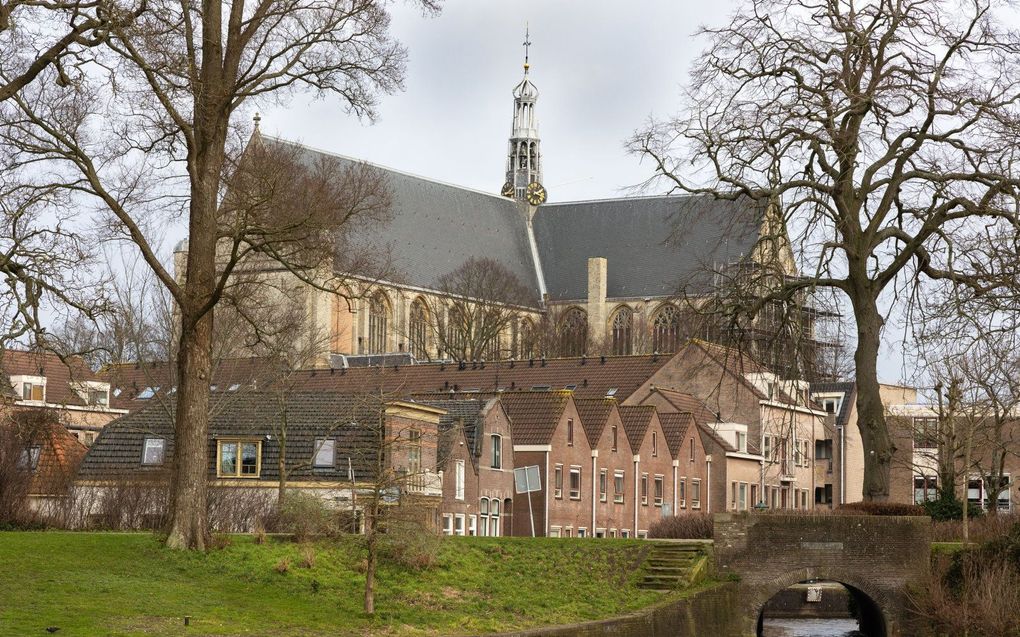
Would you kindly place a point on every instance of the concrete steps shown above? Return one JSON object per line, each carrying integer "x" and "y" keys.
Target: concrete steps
{"x": 675, "y": 564}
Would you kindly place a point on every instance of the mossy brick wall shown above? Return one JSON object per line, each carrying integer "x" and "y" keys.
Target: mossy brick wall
{"x": 707, "y": 613}
{"x": 878, "y": 558}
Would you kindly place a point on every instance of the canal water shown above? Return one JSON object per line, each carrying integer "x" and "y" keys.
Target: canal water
{"x": 810, "y": 628}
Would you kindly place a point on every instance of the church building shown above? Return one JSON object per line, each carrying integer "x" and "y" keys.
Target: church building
{"x": 605, "y": 276}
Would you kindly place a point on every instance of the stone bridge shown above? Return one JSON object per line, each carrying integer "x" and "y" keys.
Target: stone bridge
{"x": 877, "y": 558}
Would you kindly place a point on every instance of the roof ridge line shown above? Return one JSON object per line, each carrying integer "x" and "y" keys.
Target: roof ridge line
{"x": 384, "y": 167}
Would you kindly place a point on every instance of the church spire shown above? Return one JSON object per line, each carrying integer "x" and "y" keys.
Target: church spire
{"x": 524, "y": 159}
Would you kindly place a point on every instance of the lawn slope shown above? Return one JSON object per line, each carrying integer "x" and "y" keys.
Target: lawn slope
{"x": 90, "y": 584}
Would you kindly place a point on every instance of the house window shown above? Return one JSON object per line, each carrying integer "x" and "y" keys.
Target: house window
{"x": 767, "y": 449}
{"x": 625, "y": 533}
{"x": 554, "y": 531}
{"x": 695, "y": 493}
{"x": 823, "y": 495}
{"x": 472, "y": 525}
{"x": 100, "y": 397}
{"x": 325, "y": 450}
{"x": 614, "y": 438}
{"x": 683, "y": 493}
{"x": 378, "y": 317}
{"x": 831, "y": 405}
{"x": 803, "y": 498}
{"x": 618, "y": 487}
{"x": 623, "y": 322}
{"x": 153, "y": 451}
{"x": 458, "y": 524}
{"x": 494, "y": 518}
{"x": 666, "y": 329}
{"x": 741, "y": 442}
{"x": 644, "y": 489}
{"x": 447, "y": 524}
{"x": 570, "y": 432}
{"x": 655, "y": 445}
{"x": 558, "y": 481}
{"x": 33, "y": 391}
{"x": 582, "y": 532}
{"x": 692, "y": 449}
{"x": 483, "y": 517}
{"x": 458, "y": 476}
{"x": 658, "y": 491}
{"x": 573, "y": 332}
{"x": 29, "y": 458}
{"x": 526, "y": 340}
{"x": 568, "y": 532}
{"x": 754, "y": 495}
{"x": 742, "y": 496}
{"x": 147, "y": 393}
{"x": 926, "y": 433}
{"x": 497, "y": 451}
{"x": 575, "y": 483}
{"x": 603, "y": 486}
{"x": 239, "y": 458}
{"x": 414, "y": 450}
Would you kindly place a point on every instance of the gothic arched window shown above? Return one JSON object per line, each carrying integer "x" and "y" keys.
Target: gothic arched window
{"x": 623, "y": 322}
{"x": 417, "y": 329}
{"x": 525, "y": 345}
{"x": 666, "y": 329}
{"x": 456, "y": 338}
{"x": 573, "y": 332}
{"x": 378, "y": 319}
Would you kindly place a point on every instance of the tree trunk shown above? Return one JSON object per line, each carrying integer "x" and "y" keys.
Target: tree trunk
{"x": 282, "y": 467}
{"x": 188, "y": 524}
{"x": 878, "y": 445}
{"x": 966, "y": 480}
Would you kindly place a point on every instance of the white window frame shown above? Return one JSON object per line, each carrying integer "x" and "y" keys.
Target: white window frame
{"x": 558, "y": 482}
{"x": 618, "y": 496}
{"x": 658, "y": 489}
{"x": 575, "y": 471}
{"x": 472, "y": 529}
{"x": 603, "y": 485}
{"x": 695, "y": 490}
{"x": 145, "y": 450}
{"x": 458, "y": 524}
{"x": 458, "y": 479}
{"x": 447, "y": 524}
{"x": 496, "y": 461}
{"x": 323, "y": 445}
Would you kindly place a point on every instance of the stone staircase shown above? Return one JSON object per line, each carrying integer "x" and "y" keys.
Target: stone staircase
{"x": 675, "y": 564}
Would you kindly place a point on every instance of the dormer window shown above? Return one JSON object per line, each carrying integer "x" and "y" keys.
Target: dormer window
{"x": 100, "y": 397}
{"x": 33, "y": 391}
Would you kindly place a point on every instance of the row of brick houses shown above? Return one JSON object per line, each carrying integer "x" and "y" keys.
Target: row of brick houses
{"x": 618, "y": 442}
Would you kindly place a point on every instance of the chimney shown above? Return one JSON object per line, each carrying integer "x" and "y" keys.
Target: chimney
{"x": 597, "y": 267}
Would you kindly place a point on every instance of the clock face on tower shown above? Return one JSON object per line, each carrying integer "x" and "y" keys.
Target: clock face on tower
{"x": 536, "y": 194}
{"x": 508, "y": 190}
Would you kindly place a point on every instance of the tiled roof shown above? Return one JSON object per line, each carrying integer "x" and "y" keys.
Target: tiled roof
{"x": 462, "y": 413}
{"x": 590, "y": 377}
{"x": 534, "y": 415}
{"x": 59, "y": 375}
{"x": 654, "y": 245}
{"x": 636, "y": 419}
{"x": 737, "y": 364}
{"x": 435, "y": 227}
{"x": 684, "y": 402}
{"x": 60, "y": 452}
{"x": 349, "y": 420}
{"x": 594, "y": 414}
{"x": 130, "y": 383}
{"x": 674, "y": 428}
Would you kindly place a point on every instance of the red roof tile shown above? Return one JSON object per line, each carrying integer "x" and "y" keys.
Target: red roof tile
{"x": 636, "y": 419}
{"x": 594, "y": 414}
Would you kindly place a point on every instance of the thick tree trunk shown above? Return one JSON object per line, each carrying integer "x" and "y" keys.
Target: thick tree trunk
{"x": 188, "y": 524}
{"x": 877, "y": 443}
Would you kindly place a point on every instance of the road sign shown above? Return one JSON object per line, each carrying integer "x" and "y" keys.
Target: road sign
{"x": 527, "y": 479}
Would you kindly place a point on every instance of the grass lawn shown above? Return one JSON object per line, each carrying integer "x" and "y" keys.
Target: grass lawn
{"x": 91, "y": 584}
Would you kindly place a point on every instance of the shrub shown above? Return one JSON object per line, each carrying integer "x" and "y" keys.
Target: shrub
{"x": 305, "y": 516}
{"x": 976, "y": 591}
{"x": 881, "y": 508}
{"x": 408, "y": 543}
{"x": 949, "y": 508}
{"x": 307, "y": 557}
{"x": 686, "y": 526}
{"x": 283, "y": 566}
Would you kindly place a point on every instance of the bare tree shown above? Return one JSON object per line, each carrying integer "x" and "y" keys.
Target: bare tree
{"x": 879, "y": 134}
{"x": 483, "y": 298}
{"x": 147, "y": 129}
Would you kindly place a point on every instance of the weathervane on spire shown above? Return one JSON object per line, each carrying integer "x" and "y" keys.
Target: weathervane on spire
{"x": 527, "y": 44}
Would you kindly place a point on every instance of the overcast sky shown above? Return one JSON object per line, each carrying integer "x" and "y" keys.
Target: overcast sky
{"x": 602, "y": 69}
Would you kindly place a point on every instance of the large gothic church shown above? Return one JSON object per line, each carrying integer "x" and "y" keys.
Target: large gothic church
{"x": 604, "y": 276}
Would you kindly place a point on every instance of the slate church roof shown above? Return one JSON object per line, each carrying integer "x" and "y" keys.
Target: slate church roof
{"x": 654, "y": 245}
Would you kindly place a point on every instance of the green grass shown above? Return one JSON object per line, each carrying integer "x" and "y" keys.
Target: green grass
{"x": 946, "y": 548}
{"x": 128, "y": 584}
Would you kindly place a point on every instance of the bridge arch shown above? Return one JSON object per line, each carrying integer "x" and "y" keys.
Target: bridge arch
{"x": 871, "y": 602}
{"x": 876, "y": 558}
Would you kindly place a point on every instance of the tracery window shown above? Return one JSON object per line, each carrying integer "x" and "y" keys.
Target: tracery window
{"x": 417, "y": 328}
{"x": 573, "y": 332}
{"x": 524, "y": 345}
{"x": 378, "y": 318}
{"x": 623, "y": 322}
{"x": 666, "y": 329}
{"x": 456, "y": 340}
